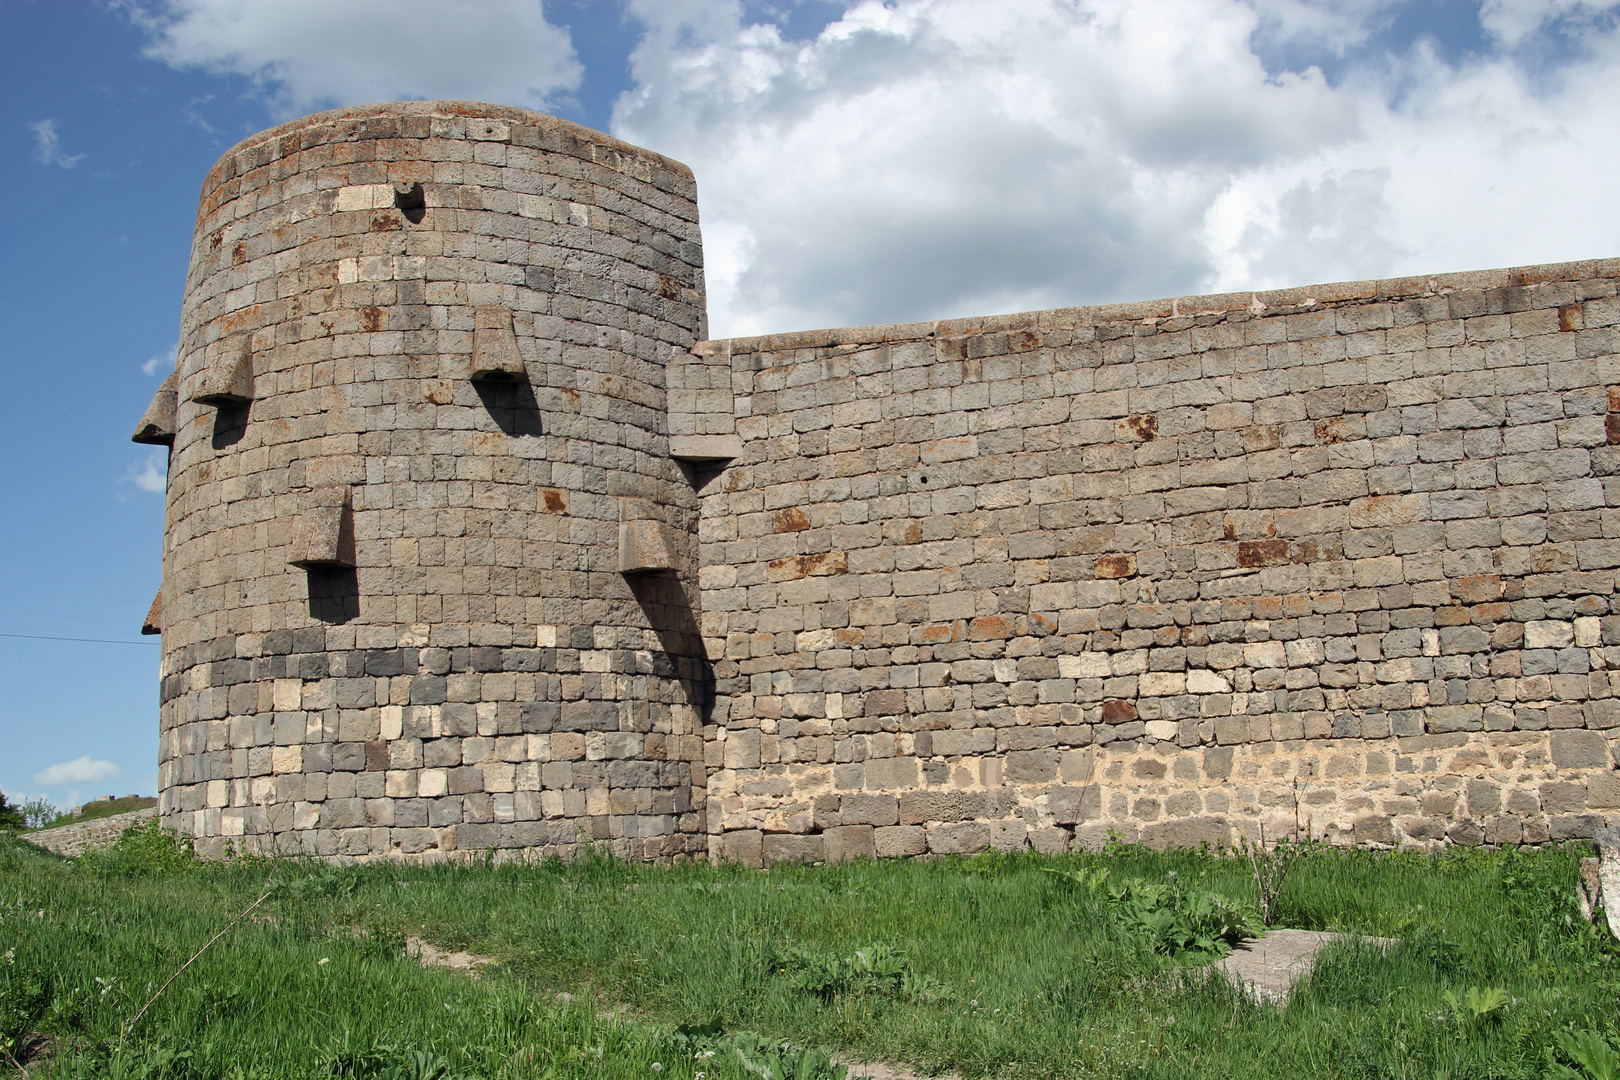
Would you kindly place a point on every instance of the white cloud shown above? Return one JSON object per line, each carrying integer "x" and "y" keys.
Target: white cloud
{"x": 313, "y": 54}
{"x": 1512, "y": 21}
{"x": 932, "y": 158}
{"x": 81, "y": 770}
{"x": 151, "y": 475}
{"x": 163, "y": 361}
{"x": 48, "y": 145}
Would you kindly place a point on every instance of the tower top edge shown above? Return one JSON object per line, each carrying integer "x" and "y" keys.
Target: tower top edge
{"x": 449, "y": 110}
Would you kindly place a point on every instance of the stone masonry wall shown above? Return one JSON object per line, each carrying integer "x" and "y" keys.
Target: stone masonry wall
{"x": 473, "y": 542}
{"x": 1337, "y": 561}
{"x": 420, "y": 393}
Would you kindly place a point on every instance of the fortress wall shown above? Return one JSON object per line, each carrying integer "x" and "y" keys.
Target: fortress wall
{"x": 393, "y": 614}
{"x": 1336, "y": 560}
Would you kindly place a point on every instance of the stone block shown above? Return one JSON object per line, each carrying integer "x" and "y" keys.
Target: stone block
{"x": 863, "y": 808}
{"x": 847, "y": 842}
{"x": 153, "y": 623}
{"x": 958, "y": 838}
{"x": 645, "y": 547}
{"x": 325, "y": 533}
{"x": 1187, "y": 833}
{"x": 226, "y": 378}
{"x": 900, "y": 840}
{"x": 157, "y": 423}
{"x": 782, "y": 848}
{"x": 495, "y": 355}
{"x": 705, "y": 447}
{"x": 1011, "y": 834}
{"x": 1579, "y": 749}
{"x": 1049, "y": 841}
{"x": 1072, "y": 804}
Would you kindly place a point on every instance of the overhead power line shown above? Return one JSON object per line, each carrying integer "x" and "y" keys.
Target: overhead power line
{"x": 100, "y": 641}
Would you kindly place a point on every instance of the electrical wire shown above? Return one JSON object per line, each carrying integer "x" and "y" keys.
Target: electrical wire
{"x": 100, "y": 641}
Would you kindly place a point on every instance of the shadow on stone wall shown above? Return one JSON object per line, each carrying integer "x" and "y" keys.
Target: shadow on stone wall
{"x": 670, "y": 614}
{"x": 334, "y": 594}
{"x": 511, "y": 405}
{"x": 230, "y": 424}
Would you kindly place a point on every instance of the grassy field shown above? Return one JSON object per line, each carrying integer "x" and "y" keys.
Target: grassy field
{"x": 993, "y": 966}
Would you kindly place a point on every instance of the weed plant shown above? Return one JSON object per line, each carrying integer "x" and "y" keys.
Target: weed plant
{"x": 1001, "y": 965}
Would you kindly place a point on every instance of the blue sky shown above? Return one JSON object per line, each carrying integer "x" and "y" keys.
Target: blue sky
{"x": 857, "y": 163}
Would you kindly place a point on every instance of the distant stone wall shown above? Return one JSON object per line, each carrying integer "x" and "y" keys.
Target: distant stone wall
{"x": 74, "y": 840}
{"x": 1338, "y": 561}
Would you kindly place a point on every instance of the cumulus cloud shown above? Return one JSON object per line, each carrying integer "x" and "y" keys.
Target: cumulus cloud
{"x": 48, "y": 146}
{"x": 920, "y": 159}
{"x": 161, "y": 362}
{"x": 81, "y": 770}
{"x": 1512, "y": 21}
{"x": 150, "y": 475}
{"x": 313, "y": 54}
{"x": 931, "y": 158}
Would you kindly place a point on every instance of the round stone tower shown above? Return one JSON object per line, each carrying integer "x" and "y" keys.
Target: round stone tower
{"x": 429, "y": 568}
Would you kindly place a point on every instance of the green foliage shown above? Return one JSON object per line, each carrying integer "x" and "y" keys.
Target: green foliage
{"x": 385, "y": 939}
{"x": 1476, "y": 1005}
{"x": 1092, "y": 880}
{"x": 709, "y": 1047}
{"x": 874, "y": 969}
{"x": 1179, "y": 922}
{"x": 11, "y": 815}
{"x": 1592, "y": 1052}
{"x": 38, "y": 812}
{"x": 386, "y": 1062}
{"x": 25, "y": 996}
{"x": 784, "y": 1061}
{"x": 145, "y": 848}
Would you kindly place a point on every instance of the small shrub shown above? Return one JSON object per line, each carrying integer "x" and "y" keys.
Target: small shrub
{"x": 1270, "y": 867}
{"x": 1476, "y": 1005}
{"x": 770, "y": 1060}
{"x": 39, "y": 812}
{"x": 1091, "y": 882}
{"x": 876, "y": 970}
{"x": 385, "y": 939}
{"x": 144, "y": 848}
{"x": 1598, "y": 1059}
{"x": 1182, "y": 923}
{"x": 11, "y": 815}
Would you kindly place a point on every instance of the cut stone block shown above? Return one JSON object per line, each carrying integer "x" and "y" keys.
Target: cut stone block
{"x": 227, "y": 375}
{"x": 495, "y": 356}
{"x": 325, "y": 535}
{"x": 157, "y": 423}
{"x": 153, "y": 623}
{"x": 645, "y": 546}
{"x": 705, "y": 447}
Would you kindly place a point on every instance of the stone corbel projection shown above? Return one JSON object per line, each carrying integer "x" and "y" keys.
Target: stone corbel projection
{"x": 325, "y": 535}
{"x": 495, "y": 356}
{"x": 227, "y": 375}
{"x": 157, "y": 423}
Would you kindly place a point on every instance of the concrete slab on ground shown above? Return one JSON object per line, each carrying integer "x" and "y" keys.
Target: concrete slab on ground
{"x": 1268, "y": 968}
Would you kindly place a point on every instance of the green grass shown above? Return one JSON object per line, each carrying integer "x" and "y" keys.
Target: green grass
{"x": 986, "y": 967}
